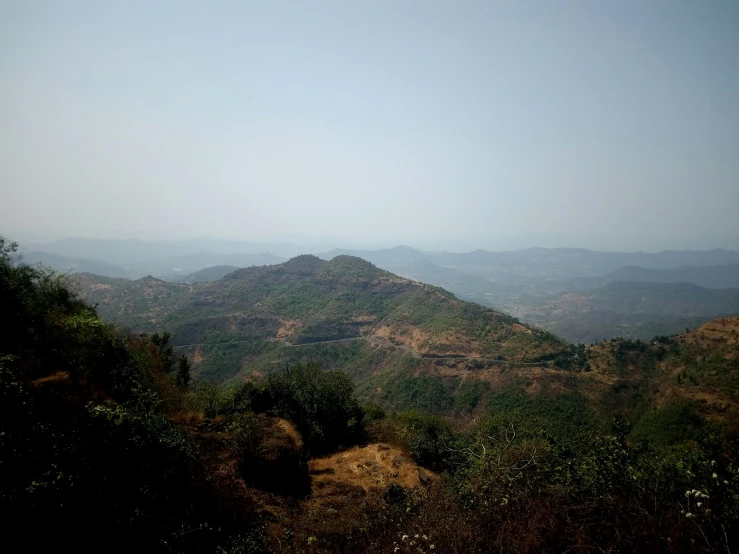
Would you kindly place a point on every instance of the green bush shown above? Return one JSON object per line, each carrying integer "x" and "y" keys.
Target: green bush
{"x": 321, "y": 404}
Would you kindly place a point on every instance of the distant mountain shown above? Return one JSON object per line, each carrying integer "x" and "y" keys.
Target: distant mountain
{"x": 210, "y": 274}
{"x": 172, "y": 267}
{"x": 344, "y": 312}
{"x": 628, "y": 309}
{"x": 134, "y": 252}
{"x": 187, "y": 263}
{"x": 79, "y": 265}
{"x": 712, "y": 277}
{"x": 522, "y": 282}
{"x": 563, "y": 263}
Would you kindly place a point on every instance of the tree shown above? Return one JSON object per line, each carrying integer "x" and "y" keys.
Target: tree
{"x": 166, "y": 350}
{"x": 320, "y": 403}
{"x": 183, "y": 372}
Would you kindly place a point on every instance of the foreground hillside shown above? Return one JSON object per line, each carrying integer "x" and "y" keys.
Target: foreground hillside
{"x": 346, "y": 313}
{"x": 109, "y": 447}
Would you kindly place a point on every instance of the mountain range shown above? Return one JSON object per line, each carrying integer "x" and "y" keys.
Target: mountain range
{"x": 568, "y": 291}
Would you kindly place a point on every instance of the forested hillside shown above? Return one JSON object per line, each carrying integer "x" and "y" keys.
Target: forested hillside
{"x": 346, "y": 313}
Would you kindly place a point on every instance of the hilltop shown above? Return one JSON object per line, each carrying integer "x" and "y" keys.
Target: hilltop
{"x": 345, "y": 312}
{"x": 212, "y": 273}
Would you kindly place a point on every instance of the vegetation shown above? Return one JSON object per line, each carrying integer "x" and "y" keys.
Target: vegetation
{"x": 512, "y": 486}
{"x": 110, "y": 444}
{"x": 87, "y": 446}
{"x": 308, "y": 301}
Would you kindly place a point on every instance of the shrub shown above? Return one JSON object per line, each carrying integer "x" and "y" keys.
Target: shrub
{"x": 321, "y": 404}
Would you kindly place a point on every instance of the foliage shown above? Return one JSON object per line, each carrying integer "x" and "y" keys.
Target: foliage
{"x": 86, "y": 446}
{"x": 321, "y": 404}
{"x": 673, "y": 424}
{"x": 513, "y": 485}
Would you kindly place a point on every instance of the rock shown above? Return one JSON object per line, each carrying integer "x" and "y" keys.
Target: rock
{"x": 399, "y": 460}
{"x": 423, "y": 477}
{"x": 332, "y": 512}
{"x": 383, "y": 447}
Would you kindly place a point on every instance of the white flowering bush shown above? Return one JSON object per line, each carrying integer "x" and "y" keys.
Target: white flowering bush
{"x": 414, "y": 544}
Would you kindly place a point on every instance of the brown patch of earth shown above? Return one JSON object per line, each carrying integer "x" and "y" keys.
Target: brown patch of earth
{"x": 53, "y": 378}
{"x": 364, "y": 318}
{"x": 288, "y": 328}
{"x": 99, "y": 286}
{"x": 346, "y": 483}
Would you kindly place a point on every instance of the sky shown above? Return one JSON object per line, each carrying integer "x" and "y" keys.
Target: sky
{"x": 369, "y": 122}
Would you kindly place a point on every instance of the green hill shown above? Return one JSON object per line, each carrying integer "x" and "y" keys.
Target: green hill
{"x": 345, "y": 312}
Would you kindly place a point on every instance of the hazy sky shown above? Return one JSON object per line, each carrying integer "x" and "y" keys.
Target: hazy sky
{"x": 404, "y": 122}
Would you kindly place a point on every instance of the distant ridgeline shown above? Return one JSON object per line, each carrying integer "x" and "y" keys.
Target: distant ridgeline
{"x": 109, "y": 444}
{"x": 580, "y": 295}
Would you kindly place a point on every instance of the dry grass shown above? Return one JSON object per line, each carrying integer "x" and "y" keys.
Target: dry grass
{"x": 57, "y": 377}
{"x": 371, "y": 467}
{"x": 288, "y": 327}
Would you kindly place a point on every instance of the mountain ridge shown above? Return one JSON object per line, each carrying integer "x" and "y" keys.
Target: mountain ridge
{"x": 308, "y": 300}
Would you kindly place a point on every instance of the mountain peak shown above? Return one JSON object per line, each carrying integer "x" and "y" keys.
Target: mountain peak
{"x": 354, "y": 266}
{"x": 306, "y": 264}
